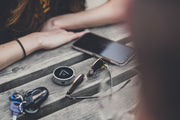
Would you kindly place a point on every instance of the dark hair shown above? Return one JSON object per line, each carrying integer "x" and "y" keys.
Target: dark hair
{"x": 23, "y": 20}
{"x": 155, "y": 30}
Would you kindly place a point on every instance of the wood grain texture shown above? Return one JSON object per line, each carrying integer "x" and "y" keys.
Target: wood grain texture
{"x": 36, "y": 70}
{"x": 114, "y": 32}
{"x": 89, "y": 109}
{"x": 38, "y": 65}
{"x": 56, "y": 99}
{"x": 42, "y": 63}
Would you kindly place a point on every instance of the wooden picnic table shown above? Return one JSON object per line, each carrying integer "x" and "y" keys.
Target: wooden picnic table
{"x": 36, "y": 70}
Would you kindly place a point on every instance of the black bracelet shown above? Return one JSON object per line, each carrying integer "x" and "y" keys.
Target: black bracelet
{"x": 21, "y": 47}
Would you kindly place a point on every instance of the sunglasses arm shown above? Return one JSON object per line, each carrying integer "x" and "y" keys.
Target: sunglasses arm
{"x": 82, "y": 97}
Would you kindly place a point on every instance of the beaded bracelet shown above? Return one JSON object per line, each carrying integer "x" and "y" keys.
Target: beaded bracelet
{"x": 24, "y": 52}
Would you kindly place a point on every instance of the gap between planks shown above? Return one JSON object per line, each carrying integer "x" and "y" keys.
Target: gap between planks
{"x": 89, "y": 109}
{"x": 57, "y": 98}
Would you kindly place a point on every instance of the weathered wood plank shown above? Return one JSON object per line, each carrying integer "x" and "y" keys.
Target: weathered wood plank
{"x": 36, "y": 69}
{"x": 114, "y": 32}
{"x": 38, "y": 65}
{"x": 94, "y": 3}
{"x": 56, "y": 99}
{"x": 42, "y": 63}
{"x": 89, "y": 109}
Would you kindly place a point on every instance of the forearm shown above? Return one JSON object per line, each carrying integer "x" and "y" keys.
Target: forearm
{"x": 109, "y": 13}
{"x": 12, "y": 51}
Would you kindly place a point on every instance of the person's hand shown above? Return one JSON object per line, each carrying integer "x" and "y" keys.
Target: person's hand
{"x": 12, "y": 51}
{"x": 55, "y": 38}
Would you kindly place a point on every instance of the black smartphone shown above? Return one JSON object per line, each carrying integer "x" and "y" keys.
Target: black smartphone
{"x": 99, "y": 46}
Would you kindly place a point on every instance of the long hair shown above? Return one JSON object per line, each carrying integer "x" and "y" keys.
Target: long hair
{"x": 16, "y": 13}
{"x": 23, "y": 19}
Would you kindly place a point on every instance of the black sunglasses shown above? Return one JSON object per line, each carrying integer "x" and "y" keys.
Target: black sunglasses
{"x": 95, "y": 67}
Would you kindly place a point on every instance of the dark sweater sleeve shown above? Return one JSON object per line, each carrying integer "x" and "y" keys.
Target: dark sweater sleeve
{"x": 5, "y": 33}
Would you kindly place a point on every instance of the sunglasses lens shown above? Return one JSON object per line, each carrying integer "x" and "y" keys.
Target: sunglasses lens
{"x": 96, "y": 66}
{"x": 76, "y": 83}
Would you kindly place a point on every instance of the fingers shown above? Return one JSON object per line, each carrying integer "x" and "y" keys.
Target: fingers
{"x": 59, "y": 37}
{"x": 78, "y": 34}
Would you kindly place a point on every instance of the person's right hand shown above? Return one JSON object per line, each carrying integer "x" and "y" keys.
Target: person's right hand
{"x": 55, "y": 38}
{"x": 12, "y": 51}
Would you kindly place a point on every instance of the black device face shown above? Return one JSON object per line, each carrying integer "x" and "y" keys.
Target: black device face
{"x": 101, "y": 47}
{"x": 63, "y": 72}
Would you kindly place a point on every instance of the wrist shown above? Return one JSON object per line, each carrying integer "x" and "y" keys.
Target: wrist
{"x": 31, "y": 42}
{"x": 22, "y": 47}
{"x": 38, "y": 40}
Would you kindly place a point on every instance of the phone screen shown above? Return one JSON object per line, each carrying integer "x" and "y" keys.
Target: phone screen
{"x": 99, "y": 46}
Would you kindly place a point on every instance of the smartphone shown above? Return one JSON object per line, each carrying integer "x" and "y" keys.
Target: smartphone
{"x": 99, "y": 46}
